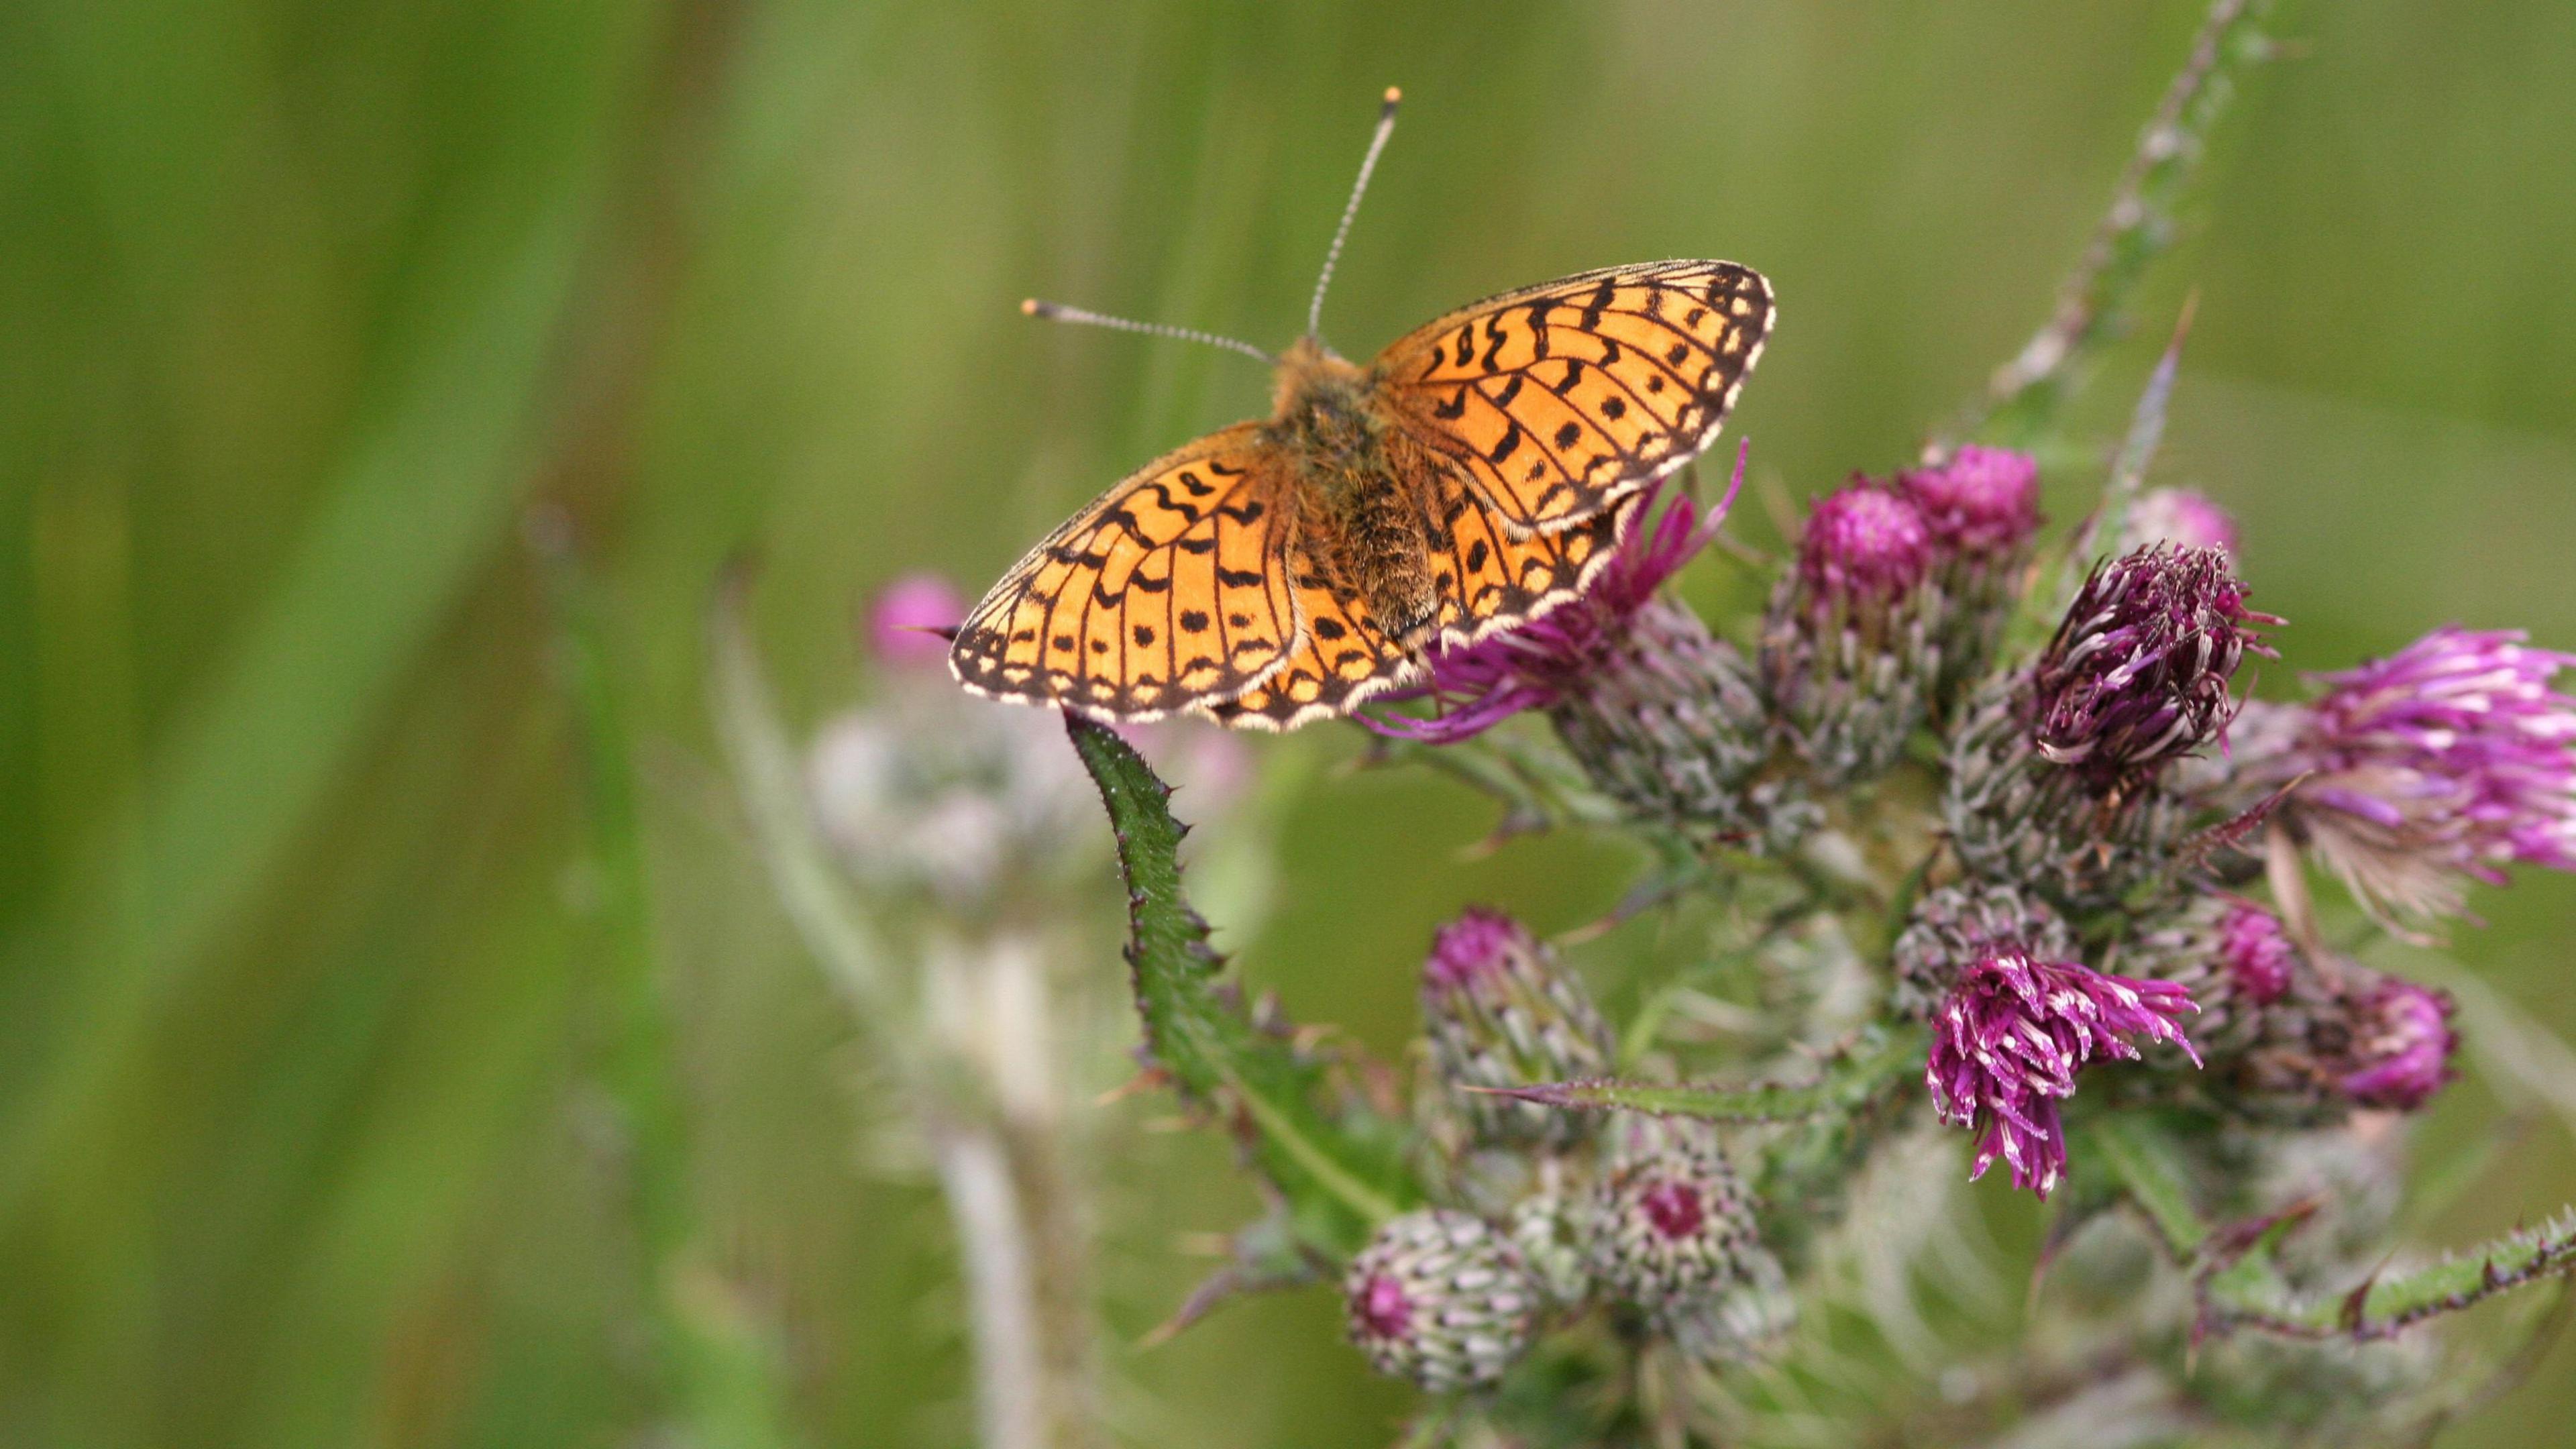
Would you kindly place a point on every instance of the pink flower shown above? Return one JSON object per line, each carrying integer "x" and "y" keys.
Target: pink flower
{"x": 2179, "y": 516}
{"x": 907, "y": 620}
{"x": 2401, "y": 1048}
{"x": 2009, "y": 1038}
{"x": 2138, "y": 674}
{"x": 1984, "y": 502}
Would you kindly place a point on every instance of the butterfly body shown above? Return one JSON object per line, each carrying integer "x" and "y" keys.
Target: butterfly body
{"x": 1474, "y": 475}
{"x": 1352, "y": 485}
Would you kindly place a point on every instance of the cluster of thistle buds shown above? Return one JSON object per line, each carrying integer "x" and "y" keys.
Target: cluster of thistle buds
{"x": 1639, "y": 1218}
{"x": 2101, "y": 815}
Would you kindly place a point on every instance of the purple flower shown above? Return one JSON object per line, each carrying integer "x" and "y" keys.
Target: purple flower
{"x": 2139, "y": 671}
{"x": 1475, "y": 948}
{"x": 1548, "y": 659}
{"x": 906, "y": 619}
{"x": 2256, "y": 952}
{"x": 1983, "y": 502}
{"x": 2009, "y": 1038}
{"x": 2179, "y": 516}
{"x": 2446, "y": 761}
{"x": 2401, "y": 1046}
{"x": 1864, "y": 546}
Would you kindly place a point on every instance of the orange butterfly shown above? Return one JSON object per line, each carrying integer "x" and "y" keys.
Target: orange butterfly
{"x": 1472, "y": 477}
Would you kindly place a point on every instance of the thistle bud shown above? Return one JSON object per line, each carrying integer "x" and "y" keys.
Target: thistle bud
{"x": 2014, "y": 816}
{"x": 1442, "y": 1299}
{"x": 1955, "y": 927}
{"x": 2235, "y": 960}
{"x": 1847, "y": 648}
{"x": 1502, "y": 1011}
{"x": 2009, "y": 1038}
{"x": 2436, "y": 767}
{"x": 1982, "y": 507}
{"x": 1667, "y": 1226}
{"x": 2138, "y": 674}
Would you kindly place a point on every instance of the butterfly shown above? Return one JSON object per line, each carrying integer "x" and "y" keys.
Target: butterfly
{"x": 1474, "y": 475}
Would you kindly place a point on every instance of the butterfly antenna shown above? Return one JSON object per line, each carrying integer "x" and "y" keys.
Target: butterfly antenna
{"x": 1359, "y": 188}
{"x": 1058, "y": 312}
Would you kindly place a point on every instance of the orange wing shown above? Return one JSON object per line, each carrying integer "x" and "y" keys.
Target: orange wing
{"x": 1169, "y": 590}
{"x": 1341, "y": 657}
{"x": 1503, "y": 581}
{"x": 1559, "y": 399}
{"x": 1488, "y": 581}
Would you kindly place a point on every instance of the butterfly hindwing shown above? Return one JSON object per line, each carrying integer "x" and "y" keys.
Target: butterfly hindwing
{"x": 1559, "y": 399}
{"x": 1503, "y": 581}
{"x": 1341, "y": 658}
{"x": 1170, "y": 589}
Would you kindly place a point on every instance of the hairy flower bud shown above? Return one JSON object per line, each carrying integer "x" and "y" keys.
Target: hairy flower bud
{"x": 2138, "y": 674}
{"x": 2235, "y": 960}
{"x": 1667, "y": 1225}
{"x": 1982, "y": 508}
{"x": 2015, "y": 816}
{"x": 1441, "y": 1298}
{"x": 1957, "y": 926}
{"x": 1501, "y": 1011}
{"x": 1847, "y": 648}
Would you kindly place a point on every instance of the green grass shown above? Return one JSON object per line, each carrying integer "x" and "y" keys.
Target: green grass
{"x": 309, "y": 1000}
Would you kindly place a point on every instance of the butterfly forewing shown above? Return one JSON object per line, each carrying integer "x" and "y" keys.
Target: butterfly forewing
{"x": 1559, "y": 399}
{"x": 1169, "y": 589}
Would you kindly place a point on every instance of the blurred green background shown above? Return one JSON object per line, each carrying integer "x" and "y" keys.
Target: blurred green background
{"x": 304, "y": 967}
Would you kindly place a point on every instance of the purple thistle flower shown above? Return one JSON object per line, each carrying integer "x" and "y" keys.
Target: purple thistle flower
{"x": 2179, "y": 516}
{"x": 1983, "y": 503}
{"x": 2009, "y": 1039}
{"x": 1536, "y": 665}
{"x": 1475, "y": 948}
{"x": 906, "y": 619}
{"x": 1863, "y": 547}
{"x": 2138, "y": 674}
{"x": 2401, "y": 1047}
{"x": 2443, "y": 762}
{"x": 2256, "y": 952}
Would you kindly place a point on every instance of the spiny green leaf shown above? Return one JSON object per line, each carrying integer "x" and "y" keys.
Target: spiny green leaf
{"x": 1339, "y": 1178}
{"x": 2251, "y": 1293}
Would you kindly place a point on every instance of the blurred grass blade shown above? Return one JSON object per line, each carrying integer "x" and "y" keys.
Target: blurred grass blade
{"x": 767, "y": 771}
{"x": 1339, "y": 1185}
{"x": 423, "y": 499}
